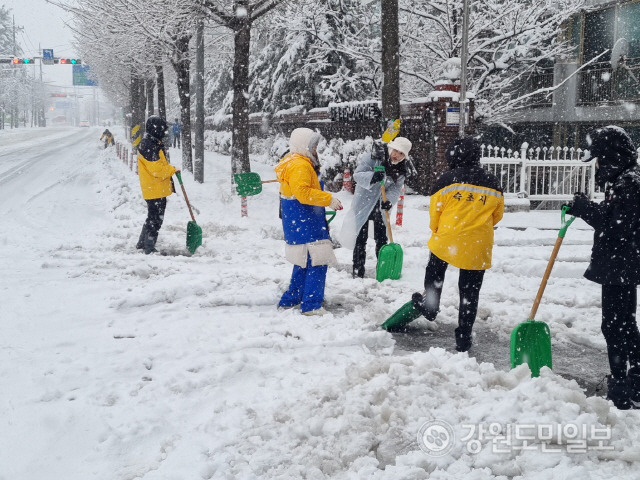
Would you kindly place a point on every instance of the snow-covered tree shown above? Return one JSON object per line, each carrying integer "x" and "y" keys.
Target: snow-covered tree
{"x": 240, "y": 16}
{"x": 145, "y": 33}
{"x": 6, "y": 35}
{"x": 306, "y": 55}
{"x": 508, "y": 41}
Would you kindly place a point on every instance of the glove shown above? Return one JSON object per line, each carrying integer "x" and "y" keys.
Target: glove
{"x": 579, "y": 205}
{"x": 386, "y": 205}
{"x": 569, "y": 205}
{"x": 335, "y": 204}
{"x": 377, "y": 177}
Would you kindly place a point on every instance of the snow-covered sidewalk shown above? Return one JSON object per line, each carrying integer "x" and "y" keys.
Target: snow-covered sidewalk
{"x": 117, "y": 365}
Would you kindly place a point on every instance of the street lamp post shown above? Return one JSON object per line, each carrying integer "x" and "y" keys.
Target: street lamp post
{"x": 464, "y": 53}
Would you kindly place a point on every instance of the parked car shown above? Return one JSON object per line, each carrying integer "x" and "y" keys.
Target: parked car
{"x": 84, "y": 123}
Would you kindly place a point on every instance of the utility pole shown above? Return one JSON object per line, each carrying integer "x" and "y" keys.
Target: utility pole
{"x": 198, "y": 163}
{"x": 390, "y": 62}
{"x": 464, "y": 53}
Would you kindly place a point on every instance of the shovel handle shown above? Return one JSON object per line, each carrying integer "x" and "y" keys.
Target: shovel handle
{"x": 331, "y": 214}
{"x": 545, "y": 277}
{"x": 563, "y": 230}
{"x": 565, "y": 223}
{"x": 269, "y": 181}
{"x": 186, "y": 198}
{"x": 386, "y": 212}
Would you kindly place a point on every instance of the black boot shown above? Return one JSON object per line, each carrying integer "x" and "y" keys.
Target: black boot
{"x": 618, "y": 392}
{"x": 429, "y": 310}
{"x": 143, "y": 236}
{"x": 633, "y": 381}
{"x": 358, "y": 272}
{"x": 463, "y": 340}
{"x": 150, "y": 244}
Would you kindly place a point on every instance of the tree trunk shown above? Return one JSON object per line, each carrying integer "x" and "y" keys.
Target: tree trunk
{"x": 150, "y": 100}
{"x": 182, "y": 72}
{"x": 198, "y": 165}
{"x": 162, "y": 109}
{"x": 390, "y": 61}
{"x": 137, "y": 102}
{"x": 240, "y": 134}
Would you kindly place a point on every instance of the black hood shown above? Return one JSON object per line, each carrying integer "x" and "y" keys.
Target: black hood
{"x": 150, "y": 148}
{"x": 156, "y": 127}
{"x": 614, "y": 151}
{"x": 463, "y": 152}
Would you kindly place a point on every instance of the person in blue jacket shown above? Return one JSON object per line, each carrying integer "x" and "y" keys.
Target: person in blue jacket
{"x": 175, "y": 133}
{"x": 306, "y": 233}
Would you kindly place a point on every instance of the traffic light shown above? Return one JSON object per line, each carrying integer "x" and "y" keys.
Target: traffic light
{"x": 17, "y": 61}
{"x": 71, "y": 61}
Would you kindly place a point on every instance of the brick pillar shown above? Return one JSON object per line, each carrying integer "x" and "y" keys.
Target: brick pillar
{"x": 443, "y": 116}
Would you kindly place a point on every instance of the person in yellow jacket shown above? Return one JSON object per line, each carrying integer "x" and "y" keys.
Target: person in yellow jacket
{"x": 466, "y": 204}
{"x": 107, "y": 136}
{"x": 306, "y": 233}
{"x": 155, "y": 173}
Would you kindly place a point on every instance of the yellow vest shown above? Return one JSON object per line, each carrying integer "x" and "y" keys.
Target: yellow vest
{"x": 462, "y": 217}
{"x": 155, "y": 177}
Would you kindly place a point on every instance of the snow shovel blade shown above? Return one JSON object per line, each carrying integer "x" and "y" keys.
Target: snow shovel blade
{"x": 531, "y": 343}
{"x": 194, "y": 236}
{"x": 247, "y": 183}
{"x": 404, "y": 315}
{"x": 389, "y": 262}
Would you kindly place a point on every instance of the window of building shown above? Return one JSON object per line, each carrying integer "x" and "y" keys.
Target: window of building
{"x": 629, "y": 27}
{"x": 598, "y": 34}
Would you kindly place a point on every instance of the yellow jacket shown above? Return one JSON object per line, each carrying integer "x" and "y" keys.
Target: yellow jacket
{"x": 298, "y": 179}
{"x": 155, "y": 176}
{"x": 462, "y": 216}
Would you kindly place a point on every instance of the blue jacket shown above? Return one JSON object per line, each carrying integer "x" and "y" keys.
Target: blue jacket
{"x": 302, "y": 200}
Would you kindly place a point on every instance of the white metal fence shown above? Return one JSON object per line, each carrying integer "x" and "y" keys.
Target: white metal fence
{"x": 555, "y": 173}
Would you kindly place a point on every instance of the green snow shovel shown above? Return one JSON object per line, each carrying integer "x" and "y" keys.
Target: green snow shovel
{"x": 404, "y": 315}
{"x": 249, "y": 183}
{"x": 194, "y": 231}
{"x": 390, "y": 255}
{"x": 531, "y": 340}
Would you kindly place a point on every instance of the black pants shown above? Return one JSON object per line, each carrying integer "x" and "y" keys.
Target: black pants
{"x": 379, "y": 235}
{"x": 620, "y": 328}
{"x": 469, "y": 284}
{"x": 151, "y": 227}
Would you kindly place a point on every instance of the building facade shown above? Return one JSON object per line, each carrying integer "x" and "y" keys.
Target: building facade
{"x": 597, "y": 84}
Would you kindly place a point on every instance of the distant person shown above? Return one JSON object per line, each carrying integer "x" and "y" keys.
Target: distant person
{"x": 467, "y": 202}
{"x": 107, "y": 136}
{"x": 615, "y": 256}
{"x": 367, "y": 202}
{"x": 175, "y": 133}
{"x": 155, "y": 173}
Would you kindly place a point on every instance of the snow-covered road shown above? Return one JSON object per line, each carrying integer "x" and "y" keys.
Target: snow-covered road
{"x": 115, "y": 365}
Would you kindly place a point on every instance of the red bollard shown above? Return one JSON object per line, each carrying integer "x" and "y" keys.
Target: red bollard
{"x": 243, "y": 207}
{"x": 400, "y": 208}
{"x": 347, "y": 182}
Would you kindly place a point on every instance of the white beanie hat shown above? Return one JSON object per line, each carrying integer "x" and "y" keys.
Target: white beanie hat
{"x": 400, "y": 144}
{"x": 303, "y": 141}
